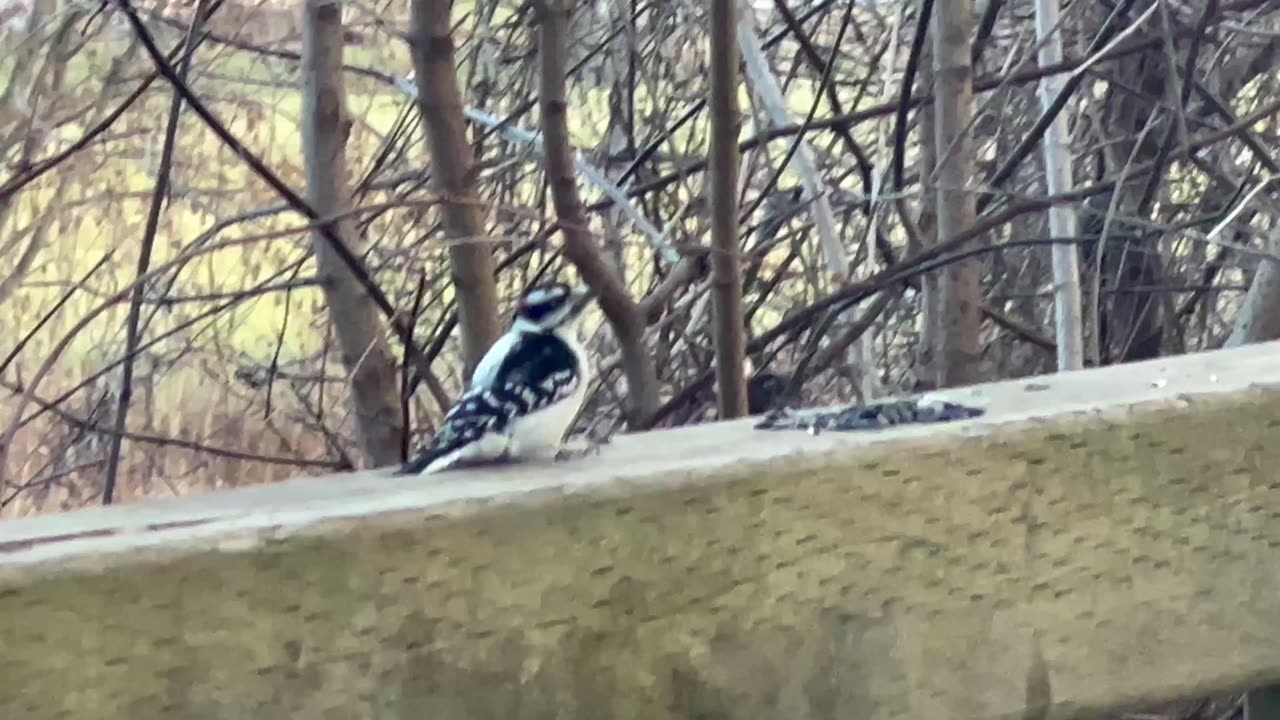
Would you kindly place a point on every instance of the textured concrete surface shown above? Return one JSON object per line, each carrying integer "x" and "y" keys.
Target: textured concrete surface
{"x": 1097, "y": 539}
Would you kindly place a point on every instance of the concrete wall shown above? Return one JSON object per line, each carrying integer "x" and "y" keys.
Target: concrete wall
{"x": 1111, "y": 539}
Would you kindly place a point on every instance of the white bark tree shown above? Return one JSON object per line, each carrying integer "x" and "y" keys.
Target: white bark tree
{"x": 1068, "y": 320}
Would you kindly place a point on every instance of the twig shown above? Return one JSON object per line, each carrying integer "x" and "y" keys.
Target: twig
{"x": 159, "y": 192}
{"x": 815, "y": 189}
{"x": 44, "y": 320}
{"x": 353, "y": 263}
{"x": 905, "y": 98}
{"x": 593, "y": 175}
{"x": 1098, "y": 50}
{"x": 54, "y": 407}
{"x": 623, "y": 314}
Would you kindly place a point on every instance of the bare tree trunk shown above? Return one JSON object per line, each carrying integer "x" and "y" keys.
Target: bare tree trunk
{"x": 959, "y": 356}
{"x": 1067, "y": 309}
{"x": 452, "y": 172}
{"x": 357, "y": 326}
{"x": 624, "y": 315}
{"x": 1259, "y": 317}
{"x": 726, "y": 270}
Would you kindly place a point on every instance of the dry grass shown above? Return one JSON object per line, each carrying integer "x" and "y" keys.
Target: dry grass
{"x": 56, "y": 466}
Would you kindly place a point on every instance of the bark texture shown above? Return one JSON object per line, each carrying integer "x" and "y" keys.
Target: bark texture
{"x": 453, "y": 178}
{"x": 726, "y": 270}
{"x": 957, "y": 361}
{"x": 624, "y": 315}
{"x": 366, "y": 354}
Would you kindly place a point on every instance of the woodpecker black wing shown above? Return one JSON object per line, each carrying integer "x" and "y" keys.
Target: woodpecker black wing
{"x": 476, "y": 414}
{"x": 539, "y": 370}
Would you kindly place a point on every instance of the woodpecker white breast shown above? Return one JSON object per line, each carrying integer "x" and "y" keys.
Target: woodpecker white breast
{"x": 524, "y": 393}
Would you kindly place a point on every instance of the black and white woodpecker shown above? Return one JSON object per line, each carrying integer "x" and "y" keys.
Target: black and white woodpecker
{"x": 524, "y": 393}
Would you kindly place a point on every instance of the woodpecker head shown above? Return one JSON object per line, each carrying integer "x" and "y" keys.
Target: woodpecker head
{"x": 549, "y": 307}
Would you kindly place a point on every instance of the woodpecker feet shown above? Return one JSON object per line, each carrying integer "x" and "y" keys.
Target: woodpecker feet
{"x": 579, "y": 447}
